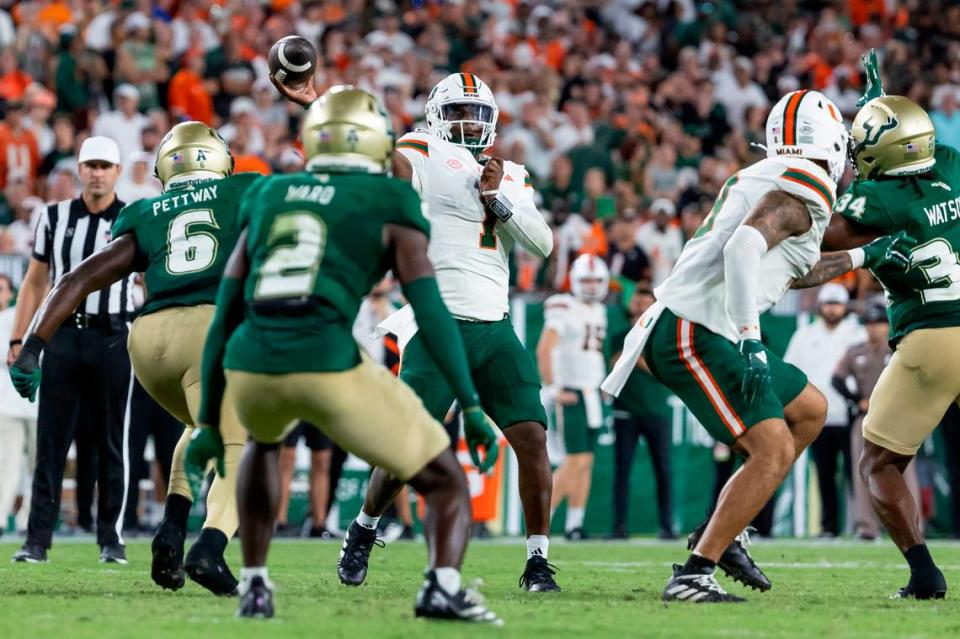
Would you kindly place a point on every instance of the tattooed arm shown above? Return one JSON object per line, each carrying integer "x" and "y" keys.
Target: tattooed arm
{"x": 831, "y": 265}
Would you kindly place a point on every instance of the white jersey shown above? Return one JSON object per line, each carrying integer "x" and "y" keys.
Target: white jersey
{"x": 469, "y": 252}
{"x": 578, "y": 357}
{"x": 696, "y": 290}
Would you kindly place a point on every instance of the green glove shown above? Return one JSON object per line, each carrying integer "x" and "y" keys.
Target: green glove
{"x": 874, "y": 87}
{"x": 479, "y": 432}
{"x": 756, "y": 374}
{"x": 890, "y": 250}
{"x": 206, "y": 444}
{"x": 25, "y": 372}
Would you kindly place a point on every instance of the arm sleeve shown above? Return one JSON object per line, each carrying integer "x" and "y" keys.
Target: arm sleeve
{"x": 741, "y": 267}
{"x": 441, "y": 338}
{"x": 527, "y": 226}
{"x": 41, "y": 237}
{"x": 226, "y": 318}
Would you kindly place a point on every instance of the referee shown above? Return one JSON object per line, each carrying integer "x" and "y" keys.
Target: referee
{"x": 86, "y": 378}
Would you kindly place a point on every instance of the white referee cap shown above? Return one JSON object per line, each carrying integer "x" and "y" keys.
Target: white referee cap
{"x": 833, "y": 293}
{"x": 99, "y": 148}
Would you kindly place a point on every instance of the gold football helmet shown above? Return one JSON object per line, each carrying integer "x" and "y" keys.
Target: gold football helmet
{"x": 349, "y": 128}
{"x": 192, "y": 150}
{"x": 892, "y": 135}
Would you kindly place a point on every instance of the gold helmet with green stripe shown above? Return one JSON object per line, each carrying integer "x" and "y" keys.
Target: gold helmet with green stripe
{"x": 191, "y": 151}
{"x": 347, "y": 128}
{"x": 892, "y": 135}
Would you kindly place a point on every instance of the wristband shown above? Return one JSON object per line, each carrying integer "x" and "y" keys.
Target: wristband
{"x": 501, "y": 207}
{"x": 857, "y": 256}
{"x": 15, "y": 342}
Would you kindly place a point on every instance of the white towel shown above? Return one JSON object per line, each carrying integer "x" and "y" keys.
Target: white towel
{"x": 593, "y": 407}
{"x": 401, "y": 323}
{"x": 632, "y": 350}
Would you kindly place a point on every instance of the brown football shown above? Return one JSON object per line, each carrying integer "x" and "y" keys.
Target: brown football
{"x": 292, "y": 60}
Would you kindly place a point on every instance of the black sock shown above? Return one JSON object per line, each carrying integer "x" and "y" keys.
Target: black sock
{"x": 213, "y": 539}
{"x": 696, "y": 563}
{"x": 921, "y": 563}
{"x": 177, "y": 511}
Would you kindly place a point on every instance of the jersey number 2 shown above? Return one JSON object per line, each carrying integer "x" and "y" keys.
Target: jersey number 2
{"x": 189, "y": 251}
{"x": 291, "y": 268}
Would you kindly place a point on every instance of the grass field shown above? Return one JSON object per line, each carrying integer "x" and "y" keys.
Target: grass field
{"x": 610, "y": 590}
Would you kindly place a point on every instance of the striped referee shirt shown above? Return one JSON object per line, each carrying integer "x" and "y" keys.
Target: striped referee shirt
{"x": 68, "y": 233}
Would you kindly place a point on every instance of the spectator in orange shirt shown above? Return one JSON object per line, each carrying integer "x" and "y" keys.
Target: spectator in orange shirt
{"x": 187, "y": 95}
{"x": 13, "y": 81}
{"x": 19, "y": 154}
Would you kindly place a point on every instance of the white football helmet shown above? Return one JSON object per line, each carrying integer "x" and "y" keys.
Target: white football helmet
{"x": 806, "y": 124}
{"x": 589, "y": 278}
{"x": 462, "y": 99}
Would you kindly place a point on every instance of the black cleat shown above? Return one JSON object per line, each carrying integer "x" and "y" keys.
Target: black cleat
{"x": 167, "y": 548}
{"x": 207, "y": 567}
{"x": 30, "y": 554}
{"x": 113, "y": 554}
{"x": 433, "y": 602}
{"x": 257, "y": 601}
{"x": 735, "y": 561}
{"x": 935, "y": 587}
{"x": 355, "y": 554}
{"x": 697, "y": 587}
{"x": 538, "y": 576}
{"x": 576, "y": 534}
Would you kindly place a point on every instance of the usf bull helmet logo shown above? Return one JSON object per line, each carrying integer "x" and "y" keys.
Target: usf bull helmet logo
{"x": 892, "y": 135}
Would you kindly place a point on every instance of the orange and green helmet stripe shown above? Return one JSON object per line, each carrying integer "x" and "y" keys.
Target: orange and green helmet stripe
{"x": 790, "y": 118}
{"x": 415, "y": 145}
{"x": 805, "y": 178}
{"x": 471, "y": 86}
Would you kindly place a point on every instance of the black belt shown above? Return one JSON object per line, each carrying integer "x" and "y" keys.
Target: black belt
{"x": 89, "y": 320}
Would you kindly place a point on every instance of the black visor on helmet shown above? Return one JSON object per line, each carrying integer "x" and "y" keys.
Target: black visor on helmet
{"x": 472, "y": 111}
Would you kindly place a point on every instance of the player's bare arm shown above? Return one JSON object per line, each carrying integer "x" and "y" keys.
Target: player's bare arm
{"x": 32, "y": 290}
{"x": 402, "y": 168}
{"x": 830, "y": 266}
{"x": 778, "y": 216}
{"x": 98, "y": 271}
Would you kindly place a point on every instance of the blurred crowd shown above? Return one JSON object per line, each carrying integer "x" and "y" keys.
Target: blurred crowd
{"x": 628, "y": 114}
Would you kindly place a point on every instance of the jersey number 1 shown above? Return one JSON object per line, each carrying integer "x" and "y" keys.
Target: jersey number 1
{"x": 488, "y": 234}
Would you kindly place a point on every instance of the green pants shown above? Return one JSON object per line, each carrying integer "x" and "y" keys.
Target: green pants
{"x": 502, "y": 370}
{"x": 705, "y": 370}
{"x": 578, "y": 437}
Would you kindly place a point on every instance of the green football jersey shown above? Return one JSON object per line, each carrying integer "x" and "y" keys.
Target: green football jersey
{"x": 928, "y": 208}
{"x": 184, "y": 238}
{"x": 315, "y": 247}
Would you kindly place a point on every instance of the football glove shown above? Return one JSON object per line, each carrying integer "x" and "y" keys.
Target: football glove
{"x": 478, "y": 432}
{"x": 890, "y": 250}
{"x": 206, "y": 444}
{"x": 874, "y": 86}
{"x": 25, "y": 371}
{"x": 756, "y": 374}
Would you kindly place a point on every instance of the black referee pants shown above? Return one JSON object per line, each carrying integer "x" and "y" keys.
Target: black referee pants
{"x": 656, "y": 430}
{"x": 86, "y": 386}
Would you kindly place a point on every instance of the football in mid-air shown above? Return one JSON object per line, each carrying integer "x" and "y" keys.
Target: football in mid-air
{"x": 292, "y": 60}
